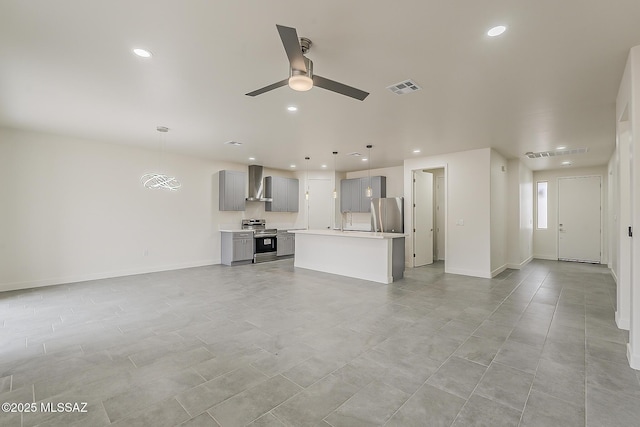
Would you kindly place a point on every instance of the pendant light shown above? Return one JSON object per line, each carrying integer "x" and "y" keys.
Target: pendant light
{"x": 335, "y": 192}
{"x": 369, "y": 191}
{"x": 306, "y": 177}
{"x": 160, "y": 180}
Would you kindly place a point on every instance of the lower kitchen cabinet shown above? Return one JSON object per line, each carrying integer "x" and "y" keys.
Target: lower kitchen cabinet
{"x": 237, "y": 247}
{"x": 286, "y": 244}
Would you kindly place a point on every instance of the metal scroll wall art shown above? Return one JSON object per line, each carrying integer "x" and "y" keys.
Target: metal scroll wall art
{"x": 158, "y": 180}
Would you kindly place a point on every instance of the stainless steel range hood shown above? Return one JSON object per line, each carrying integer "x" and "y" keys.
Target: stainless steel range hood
{"x": 256, "y": 185}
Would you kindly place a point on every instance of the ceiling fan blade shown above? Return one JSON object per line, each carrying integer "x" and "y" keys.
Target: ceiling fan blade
{"x": 340, "y": 88}
{"x": 268, "y": 88}
{"x": 291, "y": 44}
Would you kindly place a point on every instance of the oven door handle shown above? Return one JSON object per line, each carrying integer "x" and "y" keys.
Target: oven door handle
{"x": 268, "y": 236}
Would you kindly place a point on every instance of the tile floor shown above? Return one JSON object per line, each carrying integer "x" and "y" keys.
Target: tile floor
{"x": 268, "y": 345}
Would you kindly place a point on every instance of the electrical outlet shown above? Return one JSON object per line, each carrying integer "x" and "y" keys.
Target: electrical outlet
{"x": 145, "y": 252}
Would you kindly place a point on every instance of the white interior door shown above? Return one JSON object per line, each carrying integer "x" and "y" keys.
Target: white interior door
{"x": 422, "y": 218}
{"x": 439, "y": 218}
{"x": 320, "y": 203}
{"x": 579, "y": 220}
{"x": 625, "y": 214}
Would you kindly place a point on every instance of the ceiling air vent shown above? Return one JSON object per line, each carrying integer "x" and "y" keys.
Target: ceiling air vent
{"x": 556, "y": 153}
{"x": 233, "y": 143}
{"x": 355, "y": 153}
{"x": 406, "y": 86}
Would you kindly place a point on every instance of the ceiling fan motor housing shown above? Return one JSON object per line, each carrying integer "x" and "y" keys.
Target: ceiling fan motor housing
{"x": 309, "y": 64}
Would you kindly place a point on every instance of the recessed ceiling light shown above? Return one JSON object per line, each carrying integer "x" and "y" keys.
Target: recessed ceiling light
{"x": 561, "y": 147}
{"x": 416, "y": 151}
{"x": 323, "y": 166}
{"x": 143, "y": 53}
{"x": 365, "y": 159}
{"x": 496, "y": 31}
{"x": 252, "y": 158}
{"x": 566, "y": 163}
{"x": 292, "y": 108}
{"x": 292, "y": 166}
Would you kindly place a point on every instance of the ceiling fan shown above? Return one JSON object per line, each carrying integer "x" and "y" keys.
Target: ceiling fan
{"x": 301, "y": 77}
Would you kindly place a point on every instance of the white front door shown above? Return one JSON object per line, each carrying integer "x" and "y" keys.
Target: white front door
{"x": 320, "y": 204}
{"x": 440, "y": 218}
{"x": 422, "y": 218}
{"x": 579, "y": 228}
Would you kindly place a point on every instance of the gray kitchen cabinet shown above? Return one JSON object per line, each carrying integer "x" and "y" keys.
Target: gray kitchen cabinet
{"x": 283, "y": 193}
{"x": 232, "y": 188}
{"x": 378, "y": 189}
{"x": 286, "y": 243}
{"x": 236, "y": 247}
{"x": 357, "y": 194}
{"x": 293, "y": 197}
{"x": 275, "y": 189}
{"x": 346, "y": 203}
{"x": 353, "y": 196}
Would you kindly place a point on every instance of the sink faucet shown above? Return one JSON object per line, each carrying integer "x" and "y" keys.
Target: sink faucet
{"x": 349, "y": 219}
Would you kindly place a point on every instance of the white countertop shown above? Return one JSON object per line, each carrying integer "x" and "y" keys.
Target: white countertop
{"x": 238, "y": 230}
{"x": 357, "y": 234}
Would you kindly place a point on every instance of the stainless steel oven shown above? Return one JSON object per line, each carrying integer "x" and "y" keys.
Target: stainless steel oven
{"x": 265, "y": 240}
{"x": 266, "y": 247}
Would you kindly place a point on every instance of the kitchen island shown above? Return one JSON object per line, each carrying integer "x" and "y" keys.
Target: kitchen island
{"x": 378, "y": 257}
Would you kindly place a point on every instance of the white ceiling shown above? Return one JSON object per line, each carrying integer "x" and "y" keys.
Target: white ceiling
{"x": 66, "y": 68}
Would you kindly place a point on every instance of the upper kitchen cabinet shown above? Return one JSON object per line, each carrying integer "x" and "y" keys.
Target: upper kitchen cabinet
{"x": 293, "y": 197}
{"x": 353, "y": 197}
{"x": 283, "y": 193}
{"x": 232, "y": 190}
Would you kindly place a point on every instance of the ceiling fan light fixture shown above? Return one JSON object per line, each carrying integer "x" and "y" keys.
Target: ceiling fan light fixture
{"x": 300, "y": 82}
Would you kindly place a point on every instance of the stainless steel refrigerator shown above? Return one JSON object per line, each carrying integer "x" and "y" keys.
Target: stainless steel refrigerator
{"x": 387, "y": 214}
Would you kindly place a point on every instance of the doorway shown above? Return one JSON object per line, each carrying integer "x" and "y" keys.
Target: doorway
{"x": 439, "y": 215}
{"x": 429, "y": 216}
{"x": 579, "y": 219}
{"x": 422, "y": 218}
{"x": 320, "y": 204}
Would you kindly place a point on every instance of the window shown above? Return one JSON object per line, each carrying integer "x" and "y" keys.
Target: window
{"x": 542, "y": 205}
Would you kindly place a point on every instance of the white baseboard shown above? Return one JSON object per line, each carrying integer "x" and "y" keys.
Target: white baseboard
{"x": 547, "y": 257}
{"x": 634, "y": 359}
{"x": 622, "y": 322}
{"x": 522, "y": 264}
{"x": 14, "y": 286}
{"x": 498, "y": 270}
{"x": 463, "y": 272}
{"x": 613, "y": 274}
